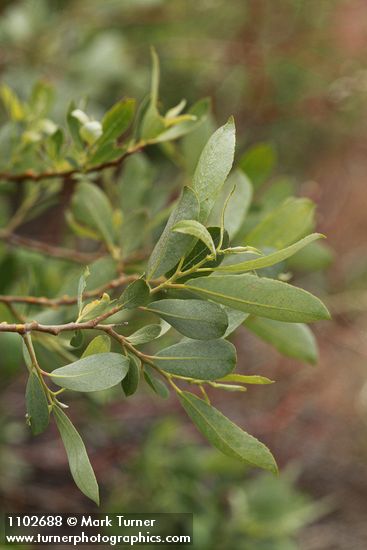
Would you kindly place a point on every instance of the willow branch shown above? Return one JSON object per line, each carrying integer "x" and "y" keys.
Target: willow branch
{"x": 35, "y": 326}
{"x": 48, "y": 249}
{"x": 67, "y": 174}
{"x": 68, "y": 300}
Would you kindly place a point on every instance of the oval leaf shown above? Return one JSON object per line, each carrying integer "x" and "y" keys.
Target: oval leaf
{"x": 131, "y": 381}
{"x": 116, "y": 121}
{"x": 91, "y": 207}
{"x": 135, "y": 294}
{"x": 225, "y": 435}
{"x": 291, "y": 339}
{"x": 200, "y": 360}
{"x": 197, "y": 319}
{"x": 213, "y": 167}
{"x": 37, "y": 406}
{"x": 80, "y": 467}
{"x": 261, "y": 296}
{"x": 99, "y": 344}
{"x": 258, "y": 162}
{"x": 92, "y": 373}
{"x": 284, "y": 225}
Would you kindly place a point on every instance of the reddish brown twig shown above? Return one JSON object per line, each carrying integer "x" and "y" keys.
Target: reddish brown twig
{"x": 67, "y": 174}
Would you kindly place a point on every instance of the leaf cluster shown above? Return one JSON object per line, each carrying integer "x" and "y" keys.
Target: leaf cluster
{"x": 177, "y": 274}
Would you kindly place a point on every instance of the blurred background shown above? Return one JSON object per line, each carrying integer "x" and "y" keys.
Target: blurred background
{"x": 294, "y": 75}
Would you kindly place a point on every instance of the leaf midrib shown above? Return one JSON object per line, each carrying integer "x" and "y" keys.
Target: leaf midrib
{"x": 248, "y": 302}
{"x": 218, "y": 434}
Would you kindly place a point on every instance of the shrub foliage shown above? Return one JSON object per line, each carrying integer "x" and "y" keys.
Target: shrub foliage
{"x": 185, "y": 264}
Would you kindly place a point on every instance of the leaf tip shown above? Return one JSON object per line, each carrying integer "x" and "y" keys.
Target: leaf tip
{"x": 231, "y": 121}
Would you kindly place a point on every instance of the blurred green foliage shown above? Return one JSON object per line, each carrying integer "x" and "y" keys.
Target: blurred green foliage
{"x": 231, "y": 509}
{"x": 276, "y": 65}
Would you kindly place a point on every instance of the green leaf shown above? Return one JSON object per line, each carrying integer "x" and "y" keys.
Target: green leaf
{"x": 280, "y": 189}
{"x": 196, "y": 229}
{"x": 77, "y": 339}
{"x": 225, "y": 435}
{"x": 136, "y": 294}
{"x": 137, "y": 177}
{"x": 172, "y": 246}
{"x": 237, "y": 205}
{"x": 200, "y": 360}
{"x": 131, "y": 381}
{"x": 145, "y": 334}
{"x": 80, "y": 229}
{"x": 196, "y": 319}
{"x": 293, "y": 340}
{"x": 316, "y": 257}
{"x": 91, "y": 207}
{"x": 270, "y": 259}
{"x": 213, "y": 167}
{"x": 247, "y": 379}
{"x": 55, "y": 144}
{"x": 26, "y": 356}
{"x": 74, "y": 126}
{"x": 133, "y": 232}
{"x": 92, "y": 373}
{"x": 96, "y": 308}
{"x": 116, "y": 121}
{"x": 37, "y": 406}
{"x": 80, "y": 467}
{"x": 258, "y": 162}
{"x": 283, "y": 225}
{"x": 235, "y": 319}
{"x": 41, "y": 99}
{"x": 12, "y": 103}
{"x": 199, "y": 111}
{"x": 194, "y": 142}
{"x": 153, "y": 123}
{"x": 156, "y": 384}
{"x": 99, "y": 344}
{"x": 261, "y": 296}
{"x": 81, "y": 287}
{"x": 105, "y": 153}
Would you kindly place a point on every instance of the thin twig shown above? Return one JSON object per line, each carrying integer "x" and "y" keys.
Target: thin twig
{"x": 14, "y": 312}
{"x": 67, "y": 174}
{"x": 48, "y": 249}
{"x": 70, "y": 300}
{"x": 25, "y": 328}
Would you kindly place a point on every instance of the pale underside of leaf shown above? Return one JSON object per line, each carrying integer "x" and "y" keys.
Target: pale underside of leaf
{"x": 79, "y": 463}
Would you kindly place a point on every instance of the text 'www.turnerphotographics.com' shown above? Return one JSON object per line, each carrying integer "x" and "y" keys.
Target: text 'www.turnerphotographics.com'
{"x": 87, "y": 529}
